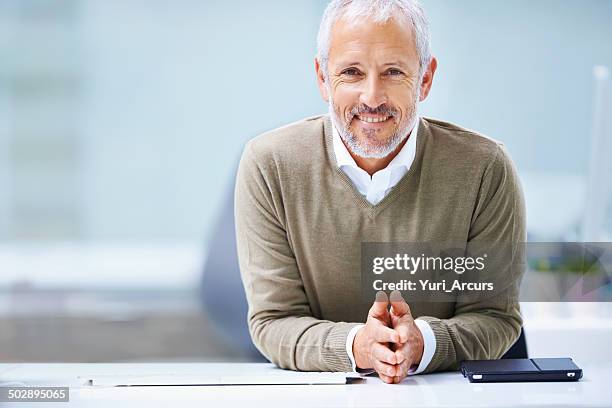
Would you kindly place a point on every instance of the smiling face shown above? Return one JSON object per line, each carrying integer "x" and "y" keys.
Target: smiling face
{"x": 372, "y": 85}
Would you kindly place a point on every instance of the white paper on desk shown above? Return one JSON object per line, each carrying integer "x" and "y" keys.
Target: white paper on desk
{"x": 272, "y": 377}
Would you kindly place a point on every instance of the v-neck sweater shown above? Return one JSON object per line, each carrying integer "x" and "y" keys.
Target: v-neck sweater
{"x": 300, "y": 224}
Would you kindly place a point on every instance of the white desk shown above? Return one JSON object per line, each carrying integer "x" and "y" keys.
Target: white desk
{"x": 438, "y": 390}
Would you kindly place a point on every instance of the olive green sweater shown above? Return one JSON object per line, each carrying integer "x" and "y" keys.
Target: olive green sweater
{"x": 300, "y": 223}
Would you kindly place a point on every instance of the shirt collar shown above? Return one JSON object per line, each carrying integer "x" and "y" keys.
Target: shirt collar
{"x": 404, "y": 158}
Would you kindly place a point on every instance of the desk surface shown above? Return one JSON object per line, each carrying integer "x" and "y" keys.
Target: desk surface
{"x": 438, "y": 390}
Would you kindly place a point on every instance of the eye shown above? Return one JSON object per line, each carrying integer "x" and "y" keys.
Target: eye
{"x": 394, "y": 72}
{"x": 351, "y": 72}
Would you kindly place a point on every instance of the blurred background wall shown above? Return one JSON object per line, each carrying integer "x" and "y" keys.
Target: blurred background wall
{"x": 121, "y": 124}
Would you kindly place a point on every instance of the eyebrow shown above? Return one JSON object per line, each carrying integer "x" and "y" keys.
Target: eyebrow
{"x": 396, "y": 63}
{"x": 388, "y": 64}
{"x": 348, "y": 64}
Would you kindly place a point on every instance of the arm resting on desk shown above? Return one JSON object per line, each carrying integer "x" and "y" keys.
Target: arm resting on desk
{"x": 280, "y": 320}
{"x": 486, "y": 329}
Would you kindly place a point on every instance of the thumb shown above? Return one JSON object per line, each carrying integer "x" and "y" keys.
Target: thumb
{"x": 379, "y": 308}
{"x": 399, "y": 307}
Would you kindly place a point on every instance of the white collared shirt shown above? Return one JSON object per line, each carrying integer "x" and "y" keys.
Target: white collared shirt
{"x": 374, "y": 189}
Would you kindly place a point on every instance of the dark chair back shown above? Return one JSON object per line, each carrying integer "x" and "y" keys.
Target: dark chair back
{"x": 519, "y": 348}
{"x": 223, "y": 295}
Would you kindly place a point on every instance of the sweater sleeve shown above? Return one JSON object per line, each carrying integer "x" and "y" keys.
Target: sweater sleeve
{"x": 484, "y": 329}
{"x": 280, "y": 320}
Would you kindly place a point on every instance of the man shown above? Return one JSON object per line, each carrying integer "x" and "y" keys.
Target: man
{"x": 308, "y": 195}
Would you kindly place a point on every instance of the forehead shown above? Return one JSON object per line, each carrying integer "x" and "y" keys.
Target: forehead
{"x": 367, "y": 40}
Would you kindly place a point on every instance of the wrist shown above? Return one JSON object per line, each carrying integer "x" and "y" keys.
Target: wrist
{"x": 429, "y": 345}
{"x": 361, "y": 360}
{"x": 421, "y": 347}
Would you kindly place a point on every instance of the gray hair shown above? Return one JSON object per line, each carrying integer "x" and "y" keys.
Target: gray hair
{"x": 380, "y": 11}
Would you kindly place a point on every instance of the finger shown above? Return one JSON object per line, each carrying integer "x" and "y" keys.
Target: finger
{"x": 399, "y": 307}
{"x": 385, "y": 369}
{"x": 385, "y": 378}
{"x": 382, "y": 353}
{"x": 413, "y": 348}
{"x": 403, "y": 331}
{"x": 384, "y": 334}
{"x": 379, "y": 308}
{"x": 401, "y": 370}
{"x": 410, "y": 356}
{"x": 400, "y": 355}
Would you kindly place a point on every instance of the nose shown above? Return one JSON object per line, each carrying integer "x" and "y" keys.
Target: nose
{"x": 373, "y": 93}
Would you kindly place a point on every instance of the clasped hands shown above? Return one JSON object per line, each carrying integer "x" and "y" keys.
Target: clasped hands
{"x": 390, "y": 342}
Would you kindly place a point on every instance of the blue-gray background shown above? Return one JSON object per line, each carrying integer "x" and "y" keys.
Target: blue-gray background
{"x": 125, "y": 119}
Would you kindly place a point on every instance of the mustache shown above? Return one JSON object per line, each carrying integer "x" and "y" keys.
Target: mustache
{"x": 383, "y": 109}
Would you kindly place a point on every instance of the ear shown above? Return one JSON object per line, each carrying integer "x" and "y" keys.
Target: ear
{"x": 321, "y": 81}
{"x": 428, "y": 78}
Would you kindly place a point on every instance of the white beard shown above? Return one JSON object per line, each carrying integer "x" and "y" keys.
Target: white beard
{"x": 378, "y": 150}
